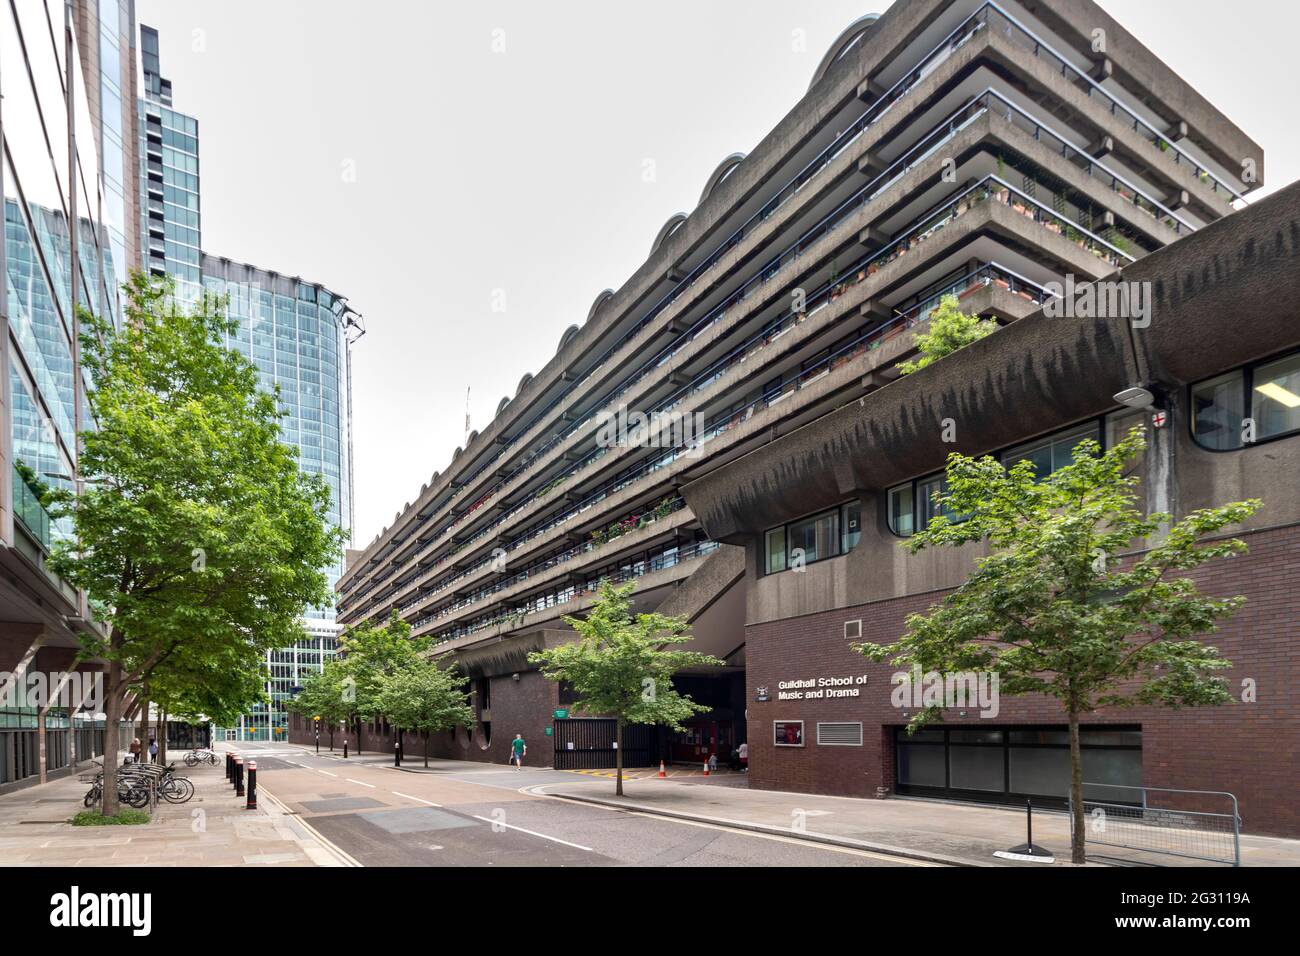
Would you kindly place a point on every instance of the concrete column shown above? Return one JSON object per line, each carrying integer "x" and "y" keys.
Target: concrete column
{"x": 18, "y": 646}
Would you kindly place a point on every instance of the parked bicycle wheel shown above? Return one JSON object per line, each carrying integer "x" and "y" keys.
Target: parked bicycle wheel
{"x": 191, "y": 760}
{"x": 178, "y": 790}
{"x": 137, "y": 797}
{"x": 92, "y": 796}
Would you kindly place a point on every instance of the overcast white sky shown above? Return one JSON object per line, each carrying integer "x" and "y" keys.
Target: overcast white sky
{"x": 522, "y": 170}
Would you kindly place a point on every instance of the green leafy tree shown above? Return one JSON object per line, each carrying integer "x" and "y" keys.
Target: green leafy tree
{"x": 371, "y": 653}
{"x": 425, "y": 698}
{"x": 619, "y": 667}
{"x": 950, "y": 329}
{"x": 196, "y": 536}
{"x": 1053, "y": 609}
{"x": 328, "y": 695}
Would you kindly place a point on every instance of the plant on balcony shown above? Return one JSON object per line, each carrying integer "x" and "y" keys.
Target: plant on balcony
{"x": 950, "y": 329}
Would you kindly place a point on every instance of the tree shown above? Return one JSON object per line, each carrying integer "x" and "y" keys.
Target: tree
{"x": 371, "y": 653}
{"x": 618, "y": 666}
{"x": 1054, "y": 610}
{"x": 425, "y": 698}
{"x": 329, "y": 695}
{"x": 950, "y": 329}
{"x": 197, "y": 537}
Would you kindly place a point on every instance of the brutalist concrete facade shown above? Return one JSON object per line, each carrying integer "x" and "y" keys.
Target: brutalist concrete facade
{"x": 1224, "y": 299}
{"x": 985, "y": 150}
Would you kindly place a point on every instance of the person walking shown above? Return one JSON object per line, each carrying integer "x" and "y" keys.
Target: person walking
{"x": 744, "y": 758}
{"x": 135, "y": 750}
{"x": 153, "y": 749}
{"x": 518, "y": 749}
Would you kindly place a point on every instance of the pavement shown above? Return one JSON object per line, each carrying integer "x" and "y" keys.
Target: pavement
{"x": 941, "y": 831}
{"x": 212, "y": 829}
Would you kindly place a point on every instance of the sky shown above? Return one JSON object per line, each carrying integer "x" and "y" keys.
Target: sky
{"x": 470, "y": 175}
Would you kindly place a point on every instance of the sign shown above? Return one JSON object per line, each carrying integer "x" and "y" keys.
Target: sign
{"x": 561, "y": 714}
{"x": 760, "y": 695}
{"x": 820, "y": 688}
{"x": 548, "y": 731}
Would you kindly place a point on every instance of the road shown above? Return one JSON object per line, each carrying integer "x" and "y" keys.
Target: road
{"x": 471, "y": 814}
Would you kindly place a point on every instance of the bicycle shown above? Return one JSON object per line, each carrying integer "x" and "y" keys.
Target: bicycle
{"x": 196, "y": 757}
{"x": 132, "y": 794}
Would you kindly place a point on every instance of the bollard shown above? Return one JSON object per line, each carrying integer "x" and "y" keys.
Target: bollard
{"x": 239, "y": 776}
{"x": 318, "y": 745}
{"x": 397, "y": 753}
{"x": 252, "y": 786}
{"x": 345, "y": 749}
{"x": 230, "y": 762}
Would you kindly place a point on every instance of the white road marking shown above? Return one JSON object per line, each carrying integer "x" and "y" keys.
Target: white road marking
{"x": 407, "y": 796}
{"x": 360, "y": 783}
{"x": 510, "y": 826}
{"x": 327, "y": 773}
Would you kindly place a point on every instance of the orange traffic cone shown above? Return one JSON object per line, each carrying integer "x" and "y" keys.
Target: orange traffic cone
{"x": 661, "y": 769}
{"x": 706, "y": 768}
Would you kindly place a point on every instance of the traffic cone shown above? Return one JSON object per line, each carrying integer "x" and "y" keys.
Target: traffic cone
{"x": 706, "y": 768}
{"x": 661, "y": 770}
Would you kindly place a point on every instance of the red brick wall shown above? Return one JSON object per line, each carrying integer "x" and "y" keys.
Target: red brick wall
{"x": 1250, "y": 749}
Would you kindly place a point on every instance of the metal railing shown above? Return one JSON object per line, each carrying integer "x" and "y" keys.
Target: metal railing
{"x": 1171, "y": 831}
{"x": 962, "y": 34}
{"x": 29, "y": 510}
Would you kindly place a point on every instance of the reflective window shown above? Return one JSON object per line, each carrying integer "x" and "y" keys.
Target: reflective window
{"x": 1051, "y": 453}
{"x": 1275, "y": 397}
{"x": 1218, "y": 408}
{"x": 1250, "y": 404}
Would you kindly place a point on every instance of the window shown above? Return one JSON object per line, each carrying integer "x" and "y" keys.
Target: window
{"x": 787, "y": 733}
{"x": 1051, "y": 453}
{"x": 775, "y": 550}
{"x": 1252, "y": 404}
{"x": 902, "y": 511}
{"x": 816, "y": 538}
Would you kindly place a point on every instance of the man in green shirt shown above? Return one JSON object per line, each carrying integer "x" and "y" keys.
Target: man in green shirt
{"x": 517, "y": 750}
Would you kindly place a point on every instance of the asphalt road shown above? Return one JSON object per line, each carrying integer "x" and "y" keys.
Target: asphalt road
{"x": 469, "y": 814}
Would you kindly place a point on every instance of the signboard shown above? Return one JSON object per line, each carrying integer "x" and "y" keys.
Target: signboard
{"x": 561, "y": 714}
{"x": 548, "y": 731}
{"x": 821, "y": 688}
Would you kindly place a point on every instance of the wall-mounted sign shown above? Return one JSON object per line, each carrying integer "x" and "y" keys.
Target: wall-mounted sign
{"x": 549, "y": 731}
{"x": 561, "y": 714}
{"x": 787, "y": 733}
{"x": 761, "y": 695}
{"x": 820, "y": 688}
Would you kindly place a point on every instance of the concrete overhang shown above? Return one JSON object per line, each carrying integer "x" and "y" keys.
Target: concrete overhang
{"x": 1223, "y": 296}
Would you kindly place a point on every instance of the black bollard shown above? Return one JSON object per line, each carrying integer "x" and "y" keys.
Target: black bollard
{"x": 239, "y": 776}
{"x": 230, "y": 762}
{"x": 397, "y": 753}
{"x": 345, "y": 748}
{"x": 318, "y": 744}
{"x": 251, "y": 804}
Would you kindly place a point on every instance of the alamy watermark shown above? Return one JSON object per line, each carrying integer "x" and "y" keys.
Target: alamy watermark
{"x": 39, "y": 690}
{"x": 955, "y": 689}
{"x": 671, "y": 429}
{"x": 1102, "y": 299}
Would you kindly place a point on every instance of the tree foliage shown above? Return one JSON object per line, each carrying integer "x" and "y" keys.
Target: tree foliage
{"x": 425, "y": 698}
{"x": 1082, "y": 597}
{"x": 618, "y": 667}
{"x": 197, "y": 537}
{"x": 950, "y": 329}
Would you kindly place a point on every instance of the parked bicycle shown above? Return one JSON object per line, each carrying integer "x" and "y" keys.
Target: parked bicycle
{"x": 197, "y": 756}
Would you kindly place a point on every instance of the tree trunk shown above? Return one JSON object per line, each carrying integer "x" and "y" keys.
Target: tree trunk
{"x": 162, "y": 738}
{"x": 113, "y": 701}
{"x": 356, "y": 726}
{"x": 331, "y": 738}
{"x": 426, "y": 748}
{"x": 1077, "y": 854}
{"x": 618, "y": 757}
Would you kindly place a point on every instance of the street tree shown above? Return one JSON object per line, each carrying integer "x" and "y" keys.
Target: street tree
{"x": 619, "y": 667}
{"x": 371, "y": 653}
{"x": 950, "y": 329}
{"x": 329, "y": 696}
{"x": 196, "y": 535}
{"x": 1082, "y": 597}
{"x": 425, "y": 698}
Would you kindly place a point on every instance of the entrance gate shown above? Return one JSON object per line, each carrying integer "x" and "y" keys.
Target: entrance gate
{"x": 587, "y": 743}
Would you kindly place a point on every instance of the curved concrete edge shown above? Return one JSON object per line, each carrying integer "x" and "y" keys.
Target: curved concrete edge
{"x": 807, "y": 835}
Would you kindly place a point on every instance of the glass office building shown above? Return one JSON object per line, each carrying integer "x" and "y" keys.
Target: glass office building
{"x": 169, "y": 178}
{"x": 298, "y": 334}
{"x": 66, "y": 144}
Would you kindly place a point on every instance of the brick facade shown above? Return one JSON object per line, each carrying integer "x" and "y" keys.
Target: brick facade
{"x": 1250, "y": 749}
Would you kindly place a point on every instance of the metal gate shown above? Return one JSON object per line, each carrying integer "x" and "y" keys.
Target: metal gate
{"x": 1214, "y": 836}
{"x": 587, "y": 743}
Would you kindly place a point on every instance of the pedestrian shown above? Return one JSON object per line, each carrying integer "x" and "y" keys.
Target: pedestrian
{"x": 518, "y": 749}
{"x": 135, "y": 750}
{"x": 153, "y": 749}
{"x": 744, "y": 758}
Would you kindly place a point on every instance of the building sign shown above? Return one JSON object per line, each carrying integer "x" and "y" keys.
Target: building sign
{"x": 761, "y": 695}
{"x": 821, "y": 688}
{"x": 561, "y": 714}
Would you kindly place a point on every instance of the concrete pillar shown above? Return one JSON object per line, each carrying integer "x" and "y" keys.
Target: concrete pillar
{"x": 18, "y": 646}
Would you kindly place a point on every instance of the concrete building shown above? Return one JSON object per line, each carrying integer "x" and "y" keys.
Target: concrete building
{"x": 992, "y": 151}
{"x": 66, "y": 80}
